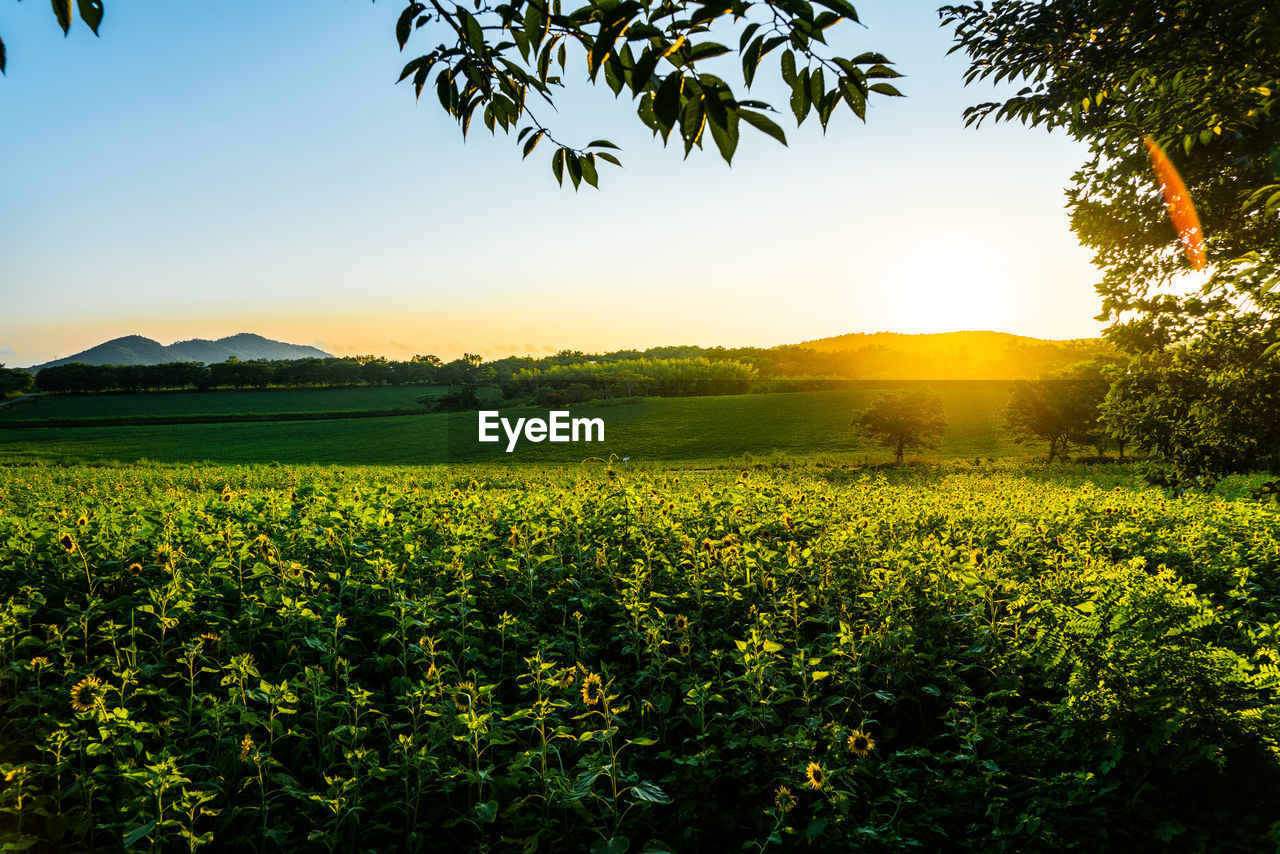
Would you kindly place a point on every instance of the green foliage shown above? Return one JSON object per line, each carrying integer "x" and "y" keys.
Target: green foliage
{"x": 14, "y": 381}
{"x": 568, "y": 659}
{"x": 1201, "y": 79}
{"x": 1062, "y": 407}
{"x": 904, "y": 420}
{"x": 497, "y": 61}
{"x": 630, "y": 377}
{"x": 1203, "y": 410}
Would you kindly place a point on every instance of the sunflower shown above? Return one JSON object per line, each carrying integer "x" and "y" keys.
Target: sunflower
{"x": 246, "y": 747}
{"x": 592, "y": 689}
{"x": 39, "y": 662}
{"x": 135, "y": 569}
{"x": 85, "y": 693}
{"x": 860, "y": 744}
{"x": 212, "y": 638}
{"x": 68, "y": 544}
{"x": 784, "y": 800}
{"x": 82, "y": 521}
{"x": 682, "y": 623}
{"x": 433, "y": 674}
{"x": 468, "y": 690}
{"x": 685, "y": 649}
{"x": 815, "y": 776}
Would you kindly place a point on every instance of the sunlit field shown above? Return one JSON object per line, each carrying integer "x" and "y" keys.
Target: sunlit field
{"x": 986, "y": 657}
{"x": 687, "y": 428}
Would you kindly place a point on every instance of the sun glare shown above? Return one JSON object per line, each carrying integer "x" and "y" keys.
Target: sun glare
{"x": 942, "y": 291}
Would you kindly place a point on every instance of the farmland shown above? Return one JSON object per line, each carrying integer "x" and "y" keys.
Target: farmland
{"x": 995, "y": 657}
{"x": 697, "y": 428}
{"x": 196, "y": 404}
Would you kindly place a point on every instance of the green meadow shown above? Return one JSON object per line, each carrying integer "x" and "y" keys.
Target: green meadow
{"x": 58, "y": 407}
{"x": 693, "y": 428}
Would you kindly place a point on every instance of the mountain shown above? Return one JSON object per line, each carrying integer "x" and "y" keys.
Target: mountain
{"x": 136, "y": 350}
{"x": 949, "y": 355}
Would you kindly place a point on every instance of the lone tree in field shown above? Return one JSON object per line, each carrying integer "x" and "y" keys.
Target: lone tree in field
{"x": 1060, "y": 408}
{"x": 505, "y": 62}
{"x": 904, "y": 420}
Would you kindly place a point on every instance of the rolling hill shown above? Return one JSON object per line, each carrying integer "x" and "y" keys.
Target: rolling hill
{"x": 949, "y": 355}
{"x": 137, "y": 350}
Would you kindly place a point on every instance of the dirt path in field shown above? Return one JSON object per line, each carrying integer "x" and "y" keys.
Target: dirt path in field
{"x": 20, "y": 397}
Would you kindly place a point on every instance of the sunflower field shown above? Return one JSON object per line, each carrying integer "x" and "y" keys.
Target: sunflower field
{"x": 959, "y": 657}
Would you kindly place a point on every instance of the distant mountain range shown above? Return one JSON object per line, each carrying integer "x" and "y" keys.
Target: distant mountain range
{"x": 136, "y": 350}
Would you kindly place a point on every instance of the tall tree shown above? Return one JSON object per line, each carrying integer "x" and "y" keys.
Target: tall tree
{"x": 1201, "y": 78}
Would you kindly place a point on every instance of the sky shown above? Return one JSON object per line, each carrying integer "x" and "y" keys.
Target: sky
{"x": 205, "y": 169}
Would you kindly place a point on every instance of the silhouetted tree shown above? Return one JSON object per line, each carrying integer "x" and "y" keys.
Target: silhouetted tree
{"x": 904, "y": 420}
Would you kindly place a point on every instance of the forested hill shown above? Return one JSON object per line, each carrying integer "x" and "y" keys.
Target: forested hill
{"x": 137, "y": 350}
{"x": 943, "y": 355}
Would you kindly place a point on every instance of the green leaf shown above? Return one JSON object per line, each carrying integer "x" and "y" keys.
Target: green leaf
{"x": 533, "y": 24}
{"x": 650, "y": 793}
{"x": 886, "y": 89}
{"x": 815, "y": 828}
{"x": 642, "y": 73}
{"x": 62, "y": 9}
{"x": 726, "y": 137}
{"x": 789, "y": 67}
{"x": 475, "y": 34}
{"x": 404, "y": 26}
{"x": 800, "y": 103}
{"x": 761, "y": 122}
{"x": 602, "y": 143}
{"x": 487, "y": 811}
{"x": 666, "y": 104}
{"x": 91, "y": 13}
{"x": 616, "y": 845}
{"x": 817, "y": 86}
{"x": 706, "y": 50}
{"x": 589, "y": 173}
{"x": 2, "y": 57}
{"x": 575, "y": 168}
{"x": 557, "y": 166}
{"x": 131, "y": 838}
{"x": 532, "y": 143}
{"x": 842, "y": 8}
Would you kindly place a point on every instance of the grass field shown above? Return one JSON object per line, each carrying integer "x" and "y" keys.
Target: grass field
{"x": 204, "y": 403}
{"x": 701, "y": 428}
{"x": 568, "y": 658}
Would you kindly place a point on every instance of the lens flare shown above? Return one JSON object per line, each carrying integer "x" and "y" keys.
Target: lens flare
{"x": 1182, "y": 211}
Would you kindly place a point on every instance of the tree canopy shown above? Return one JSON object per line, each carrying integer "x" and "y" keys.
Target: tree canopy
{"x": 904, "y": 420}
{"x": 1201, "y": 79}
{"x": 505, "y": 61}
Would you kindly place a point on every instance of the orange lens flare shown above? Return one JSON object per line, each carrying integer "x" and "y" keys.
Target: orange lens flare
{"x": 1182, "y": 211}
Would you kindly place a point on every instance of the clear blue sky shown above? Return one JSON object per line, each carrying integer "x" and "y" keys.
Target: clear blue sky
{"x": 204, "y": 169}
